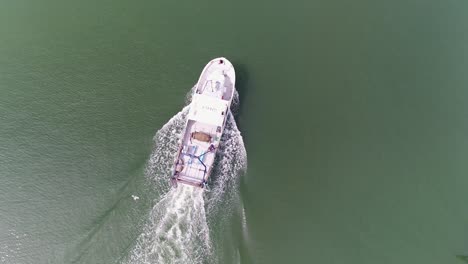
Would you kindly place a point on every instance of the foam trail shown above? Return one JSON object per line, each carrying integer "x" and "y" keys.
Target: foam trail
{"x": 231, "y": 162}
{"x": 222, "y": 195}
{"x": 177, "y": 231}
{"x": 178, "y": 227}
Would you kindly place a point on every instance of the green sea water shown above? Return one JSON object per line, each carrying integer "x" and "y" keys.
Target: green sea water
{"x": 352, "y": 115}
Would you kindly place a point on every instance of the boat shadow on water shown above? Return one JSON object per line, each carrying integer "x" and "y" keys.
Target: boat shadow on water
{"x": 242, "y": 87}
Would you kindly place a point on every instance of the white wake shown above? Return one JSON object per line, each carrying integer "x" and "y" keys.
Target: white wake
{"x": 178, "y": 229}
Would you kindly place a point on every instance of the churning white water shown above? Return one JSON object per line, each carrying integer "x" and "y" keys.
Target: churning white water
{"x": 178, "y": 228}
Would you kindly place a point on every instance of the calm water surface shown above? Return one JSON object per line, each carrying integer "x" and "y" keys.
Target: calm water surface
{"x": 353, "y": 115}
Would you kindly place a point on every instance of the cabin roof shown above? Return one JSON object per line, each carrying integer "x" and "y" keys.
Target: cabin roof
{"x": 207, "y": 109}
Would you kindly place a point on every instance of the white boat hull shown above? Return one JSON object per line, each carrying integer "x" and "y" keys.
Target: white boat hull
{"x": 205, "y": 124}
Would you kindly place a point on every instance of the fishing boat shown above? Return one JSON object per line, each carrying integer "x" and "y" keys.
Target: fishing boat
{"x": 205, "y": 124}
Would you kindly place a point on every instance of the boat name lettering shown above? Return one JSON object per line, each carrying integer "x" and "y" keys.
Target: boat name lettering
{"x": 209, "y": 108}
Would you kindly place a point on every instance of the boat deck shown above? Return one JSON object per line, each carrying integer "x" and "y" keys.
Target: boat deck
{"x": 216, "y": 83}
{"x": 197, "y": 156}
